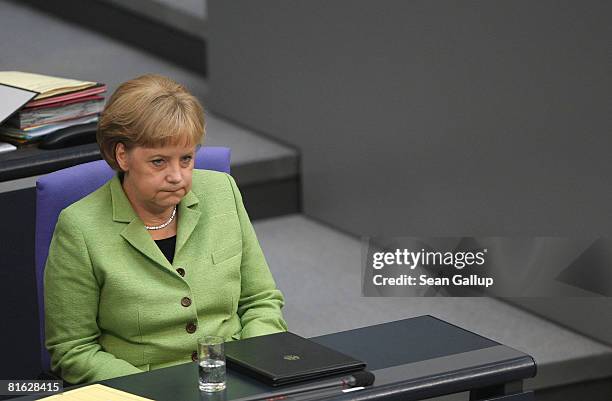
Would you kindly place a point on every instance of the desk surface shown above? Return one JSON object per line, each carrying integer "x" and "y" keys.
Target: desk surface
{"x": 30, "y": 160}
{"x": 416, "y": 358}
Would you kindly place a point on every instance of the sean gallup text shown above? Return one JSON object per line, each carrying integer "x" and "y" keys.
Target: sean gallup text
{"x": 424, "y": 280}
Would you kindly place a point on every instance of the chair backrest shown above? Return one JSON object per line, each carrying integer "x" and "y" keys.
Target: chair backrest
{"x": 57, "y": 190}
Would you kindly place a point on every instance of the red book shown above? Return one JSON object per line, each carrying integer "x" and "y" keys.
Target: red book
{"x": 67, "y": 96}
{"x": 63, "y": 103}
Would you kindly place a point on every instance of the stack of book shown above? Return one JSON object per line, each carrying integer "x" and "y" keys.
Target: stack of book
{"x": 60, "y": 104}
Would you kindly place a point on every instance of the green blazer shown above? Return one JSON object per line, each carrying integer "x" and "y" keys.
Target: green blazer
{"x": 114, "y": 305}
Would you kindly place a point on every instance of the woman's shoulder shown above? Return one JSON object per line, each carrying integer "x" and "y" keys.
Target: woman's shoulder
{"x": 209, "y": 180}
{"x": 97, "y": 205}
{"x": 214, "y": 186}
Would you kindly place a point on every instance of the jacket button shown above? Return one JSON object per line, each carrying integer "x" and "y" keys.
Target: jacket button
{"x": 191, "y": 327}
{"x": 181, "y": 271}
{"x": 194, "y": 356}
{"x": 186, "y": 302}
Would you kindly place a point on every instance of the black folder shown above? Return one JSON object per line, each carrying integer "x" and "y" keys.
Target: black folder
{"x": 286, "y": 358}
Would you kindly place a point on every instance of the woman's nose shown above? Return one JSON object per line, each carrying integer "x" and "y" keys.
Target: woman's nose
{"x": 174, "y": 173}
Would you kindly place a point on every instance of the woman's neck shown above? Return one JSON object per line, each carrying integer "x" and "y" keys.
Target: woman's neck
{"x": 150, "y": 214}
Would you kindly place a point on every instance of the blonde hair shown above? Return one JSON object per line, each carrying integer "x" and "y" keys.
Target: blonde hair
{"x": 150, "y": 111}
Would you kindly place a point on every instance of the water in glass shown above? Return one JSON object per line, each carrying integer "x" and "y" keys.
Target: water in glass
{"x": 212, "y": 375}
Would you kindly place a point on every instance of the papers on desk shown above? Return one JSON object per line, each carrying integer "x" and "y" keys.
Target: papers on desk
{"x": 20, "y": 136}
{"x": 45, "y": 85}
{"x": 53, "y": 113}
{"x": 12, "y": 99}
{"x": 60, "y": 104}
{"x": 100, "y": 88}
{"x": 95, "y": 392}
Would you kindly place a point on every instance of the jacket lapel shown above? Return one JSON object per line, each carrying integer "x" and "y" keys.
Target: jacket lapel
{"x": 189, "y": 215}
{"x": 137, "y": 235}
{"x": 134, "y": 232}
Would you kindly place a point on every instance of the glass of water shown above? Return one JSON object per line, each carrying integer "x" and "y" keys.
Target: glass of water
{"x": 211, "y": 358}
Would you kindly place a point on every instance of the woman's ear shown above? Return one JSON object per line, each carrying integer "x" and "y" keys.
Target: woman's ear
{"x": 121, "y": 155}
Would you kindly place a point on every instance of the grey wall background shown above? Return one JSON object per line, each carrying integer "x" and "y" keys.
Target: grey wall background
{"x": 429, "y": 116}
{"x": 433, "y": 117}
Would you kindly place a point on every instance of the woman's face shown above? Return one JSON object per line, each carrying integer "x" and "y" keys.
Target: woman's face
{"x": 158, "y": 178}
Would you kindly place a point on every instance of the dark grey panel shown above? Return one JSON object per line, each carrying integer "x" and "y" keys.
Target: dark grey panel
{"x": 18, "y": 307}
{"x": 185, "y": 16}
{"x": 406, "y": 341}
{"x": 431, "y": 117}
{"x": 445, "y": 364}
{"x": 441, "y": 117}
{"x": 271, "y": 198}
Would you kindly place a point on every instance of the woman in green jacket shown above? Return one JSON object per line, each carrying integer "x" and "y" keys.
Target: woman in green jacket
{"x": 158, "y": 256}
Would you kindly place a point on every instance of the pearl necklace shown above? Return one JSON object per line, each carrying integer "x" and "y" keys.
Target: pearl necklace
{"x": 159, "y": 227}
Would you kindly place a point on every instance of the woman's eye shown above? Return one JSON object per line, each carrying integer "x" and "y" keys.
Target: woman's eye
{"x": 187, "y": 159}
{"x": 157, "y": 162}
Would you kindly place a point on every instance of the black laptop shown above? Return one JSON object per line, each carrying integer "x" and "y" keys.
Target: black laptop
{"x": 286, "y": 358}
